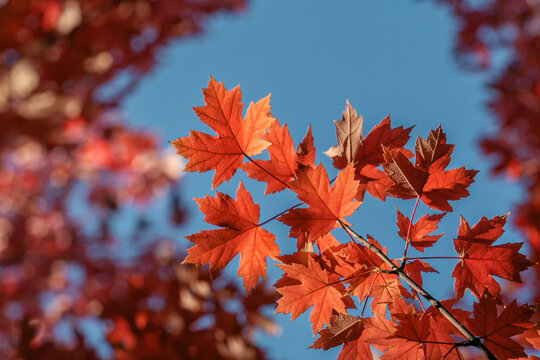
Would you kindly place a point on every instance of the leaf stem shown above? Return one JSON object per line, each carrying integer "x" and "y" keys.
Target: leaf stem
{"x": 432, "y": 257}
{"x": 281, "y": 213}
{"x": 472, "y": 340}
{"x": 409, "y": 231}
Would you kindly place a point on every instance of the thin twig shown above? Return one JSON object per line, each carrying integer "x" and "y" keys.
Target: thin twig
{"x": 407, "y": 238}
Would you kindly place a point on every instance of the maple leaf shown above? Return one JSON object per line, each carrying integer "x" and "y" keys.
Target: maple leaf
{"x": 282, "y": 165}
{"x": 367, "y": 280}
{"x": 236, "y": 138}
{"x": 352, "y": 148}
{"x": 415, "y": 268}
{"x": 349, "y": 136}
{"x": 419, "y": 230}
{"x": 374, "y": 181}
{"x": 415, "y": 336}
{"x": 371, "y": 149}
{"x": 480, "y": 260}
{"x": 240, "y": 234}
{"x": 317, "y": 288}
{"x": 344, "y": 330}
{"x": 305, "y": 150}
{"x": 428, "y": 180}
{"x": 433, "y": 149}
{"x": 439, "y": 338}
{"x": 326, "y": 206}
{"x": 443, "y": 186}
{"x": 496, "y": 329}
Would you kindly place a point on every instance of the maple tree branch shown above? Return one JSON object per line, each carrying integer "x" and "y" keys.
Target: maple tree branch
{"x": 472, "y": 340}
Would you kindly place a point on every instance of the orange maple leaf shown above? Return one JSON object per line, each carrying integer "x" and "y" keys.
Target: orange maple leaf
{"x": 419, "y": 230}
{"x": 240, "y": 234}
{"x": 305, "y": 150}
{"x": 236, "y": 138}
{"x": 316, "y": 288}
{"x": 326, "y": 205}
{"x": 480, "y": 260}
{"x": 282, "y": 165}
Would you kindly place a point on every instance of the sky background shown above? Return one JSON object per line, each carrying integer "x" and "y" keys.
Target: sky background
{"x": 385, "y": 56}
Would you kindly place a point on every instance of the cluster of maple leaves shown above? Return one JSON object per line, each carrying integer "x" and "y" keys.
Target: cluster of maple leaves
{"x": 329, "y": 278}
{"x": 69, "y": 167}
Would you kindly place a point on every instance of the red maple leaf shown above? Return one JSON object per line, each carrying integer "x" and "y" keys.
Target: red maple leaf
{"x": 240, "y": 234}
{"x": 316, "y": 288}
{"x": 344, "y": 330}
{"x": 415, "y": 269}
{"x": 352, "y": 148}
{"x": 236, "y": 136}
{"x": 433, "y": 153}
{"x": 428, "y": 180}
{"x": 480, "y": 260}
{"x": 497, "y": 328}
{"x": 415, "y": 336}
{"x": 367, "y": 280}
{"x": 326, "y": 206}
{"x": 419, "y": 230}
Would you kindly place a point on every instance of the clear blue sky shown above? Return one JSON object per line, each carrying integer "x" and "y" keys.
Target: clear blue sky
{"x": 385, "y": 56}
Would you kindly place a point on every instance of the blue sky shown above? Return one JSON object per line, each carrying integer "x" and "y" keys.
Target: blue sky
{"x": 385, "y": 56}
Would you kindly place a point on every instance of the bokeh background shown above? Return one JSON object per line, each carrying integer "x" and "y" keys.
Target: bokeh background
{"x": 94, "y": 205}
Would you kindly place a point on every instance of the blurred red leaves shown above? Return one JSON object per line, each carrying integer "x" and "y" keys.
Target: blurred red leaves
{"x": 69, "y": 167}
{"x": 514, "y": 96}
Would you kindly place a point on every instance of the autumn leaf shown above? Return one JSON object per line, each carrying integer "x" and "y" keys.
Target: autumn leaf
{"x": 317, "y": 288}
{"x": 305, "y": 150}
{"x": 282, "y": 165}
{"x": 419, "y": 230}
{"x": 415, "y": 336}
{"x": 415, "y": 269}
{"x": 427, "y": 179}
{"x": 349, "y": 137}
{"x": 371, "y": 152}
{"x": 497, "y": 328}
{"x": 443, "y": 186}
{"x": 408, "y": 180}
{"x": 367, "y": 280}
{"x": 352, "y": 148}
{"x": 480, "y": 260}
{"x": 344, "y": 330}
{"x": 374, "y": 181}
{"x": 485, "y": 231}
{"x": 433, "y": 149}
{"x": 240, "y": 234}
{"x": 326, "y": 206}
{"x": 236, "y": 138}
{"x": 444, "y": 333}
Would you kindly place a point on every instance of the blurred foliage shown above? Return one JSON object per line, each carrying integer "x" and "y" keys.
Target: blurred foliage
{"x": 65, "y": 291}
